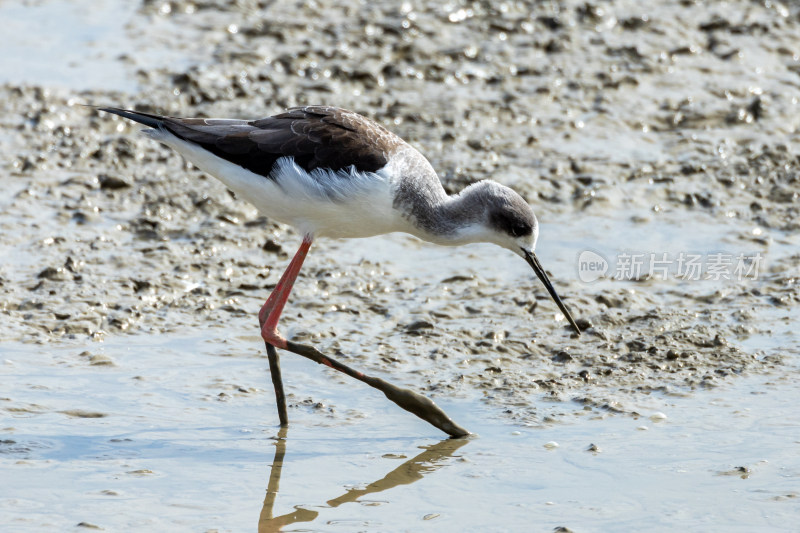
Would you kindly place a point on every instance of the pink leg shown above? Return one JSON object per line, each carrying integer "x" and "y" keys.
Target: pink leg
{"x": 271, "y": 310}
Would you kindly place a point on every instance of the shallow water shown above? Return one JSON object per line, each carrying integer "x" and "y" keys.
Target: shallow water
{"x": 175, "y": 433}
{"x": 135, "y": 393}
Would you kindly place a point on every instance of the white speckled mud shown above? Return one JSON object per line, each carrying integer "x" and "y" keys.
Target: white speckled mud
{"x": 134, "y": 391}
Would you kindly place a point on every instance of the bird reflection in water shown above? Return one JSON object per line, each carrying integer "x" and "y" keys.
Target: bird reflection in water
{"x": 410, "y": 471}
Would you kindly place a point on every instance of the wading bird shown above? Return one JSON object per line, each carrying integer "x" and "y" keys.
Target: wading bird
{"x": 330, "y": 172}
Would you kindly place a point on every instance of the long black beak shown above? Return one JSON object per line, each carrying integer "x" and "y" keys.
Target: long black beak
{"x": 532, "y": 260}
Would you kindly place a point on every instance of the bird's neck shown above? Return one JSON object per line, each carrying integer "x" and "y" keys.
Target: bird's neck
{"x": 450, "y": 220}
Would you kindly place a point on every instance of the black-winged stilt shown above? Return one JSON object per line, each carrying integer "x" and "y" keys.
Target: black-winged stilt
{"x": 332, "y": 172}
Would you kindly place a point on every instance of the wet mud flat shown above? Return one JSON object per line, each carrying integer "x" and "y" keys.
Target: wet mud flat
{"x": 670, "y": 129}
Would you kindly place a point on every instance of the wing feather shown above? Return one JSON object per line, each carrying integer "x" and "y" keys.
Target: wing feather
{"x": 315, "y": 136}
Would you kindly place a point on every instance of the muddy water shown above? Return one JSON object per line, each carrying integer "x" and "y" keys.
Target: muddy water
{"x": 135, "y": 393}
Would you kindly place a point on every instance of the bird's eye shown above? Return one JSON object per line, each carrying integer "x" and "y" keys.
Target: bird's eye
{"x": 518, "y": 231}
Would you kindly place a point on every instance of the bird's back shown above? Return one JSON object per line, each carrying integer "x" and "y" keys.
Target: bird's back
{"x": 325, "y": 170}
{"x": 314, "y": 136}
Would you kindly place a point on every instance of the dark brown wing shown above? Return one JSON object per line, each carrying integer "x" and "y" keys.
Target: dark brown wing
{"x": 326, "y": 137}
{"x": 315, "y": 136}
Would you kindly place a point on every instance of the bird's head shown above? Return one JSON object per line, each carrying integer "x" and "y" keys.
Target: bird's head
{"x": 510, "y": 222}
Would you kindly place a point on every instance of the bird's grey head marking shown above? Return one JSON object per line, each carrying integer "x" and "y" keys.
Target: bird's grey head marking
{"x": 510, "y": 216}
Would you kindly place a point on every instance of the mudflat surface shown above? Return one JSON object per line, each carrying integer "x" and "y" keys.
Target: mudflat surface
{"x": 658, "y": 146}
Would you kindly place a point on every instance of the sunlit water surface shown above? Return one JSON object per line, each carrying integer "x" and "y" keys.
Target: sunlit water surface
{"x": 180, "y": 434}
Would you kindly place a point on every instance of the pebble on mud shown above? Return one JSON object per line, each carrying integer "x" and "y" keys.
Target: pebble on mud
{"x": 112, "y": 182}
{"x": 562, "y": 356}
{"x": 55, "y": 274}
{"x": 740, "y": 471}
{"x": 100, "y": 360}
{"x": 418, "y": 327}
{"x": 141, "y": 472}
{"x": 81, "y": 413}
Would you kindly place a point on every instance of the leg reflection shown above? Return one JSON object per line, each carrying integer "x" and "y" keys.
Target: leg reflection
{"x": 412, "y": 470}
{"x": 266, "y": 522}
{"x": 430, "y": 460}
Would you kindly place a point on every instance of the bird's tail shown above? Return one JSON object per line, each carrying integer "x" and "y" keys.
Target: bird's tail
{"x": 154, "y": 121}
